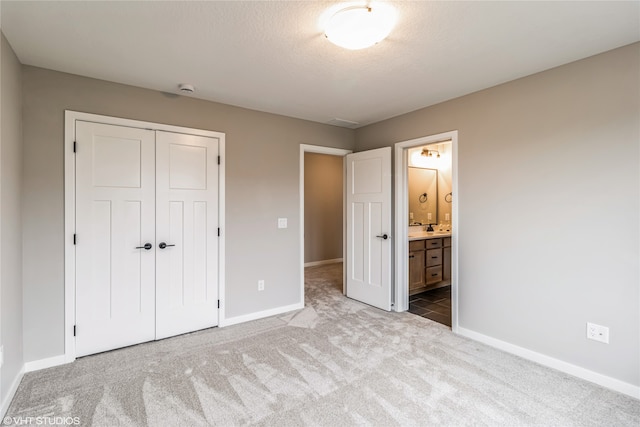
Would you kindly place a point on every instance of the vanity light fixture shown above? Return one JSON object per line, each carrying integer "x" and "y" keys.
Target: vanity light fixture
{"x": 429, "y": 153}
{"x": 362, "y": 25}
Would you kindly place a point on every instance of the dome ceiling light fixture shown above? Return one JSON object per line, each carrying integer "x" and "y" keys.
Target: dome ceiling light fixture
{"x": 360, "y": 26}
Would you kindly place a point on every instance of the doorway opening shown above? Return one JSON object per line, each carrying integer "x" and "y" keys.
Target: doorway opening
{"x": 430, "y": 199}
{"x": 322, "y": 190}
{"x": 427, "y": 232}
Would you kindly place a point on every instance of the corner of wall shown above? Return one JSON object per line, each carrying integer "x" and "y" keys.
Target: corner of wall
{"x": 11, "y": 305}
{"x": 7, "y": 397}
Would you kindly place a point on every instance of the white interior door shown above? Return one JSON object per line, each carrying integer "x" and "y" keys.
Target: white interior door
{"x": 187, "y": 223}
{"x": 115, "y": 218}
{"x": 369, "y": 227}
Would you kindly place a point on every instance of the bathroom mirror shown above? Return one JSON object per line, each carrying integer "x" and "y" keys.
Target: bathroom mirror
{"x": 423, "y": 196}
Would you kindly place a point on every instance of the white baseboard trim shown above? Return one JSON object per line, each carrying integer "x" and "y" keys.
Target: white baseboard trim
{"x": 560, "y": 365}
{"x": 11, "y": 392}
{"x": 260, "y": 314}
{"x": 323, "y": 262}
{"x": 49, "y": 362}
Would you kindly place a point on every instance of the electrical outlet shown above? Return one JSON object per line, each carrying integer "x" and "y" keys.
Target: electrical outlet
{"x": 597, "y": 333}
{"x": 261, "y": 285}
{"x": 282, "y": 222}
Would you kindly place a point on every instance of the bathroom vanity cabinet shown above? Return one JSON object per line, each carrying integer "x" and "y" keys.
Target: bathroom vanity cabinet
{"x": 429, "y": 263}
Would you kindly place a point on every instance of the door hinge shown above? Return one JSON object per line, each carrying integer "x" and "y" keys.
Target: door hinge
{"x": 218, "y": 303}
{"x": 75, "y": 146}
{"x": 218, "y": 231}
{"x": 219, "y": 160}
{"x": 74, "y": 330}
{"x": 74, "y": 239}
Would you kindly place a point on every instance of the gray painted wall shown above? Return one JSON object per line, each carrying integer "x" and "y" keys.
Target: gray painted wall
{"x": 2, "y": 48}
{"x": 262, "y": 184}
{"x": 10, "y": 218}
{"x": 549, "y": 207}
{"x": 323, "y": 188}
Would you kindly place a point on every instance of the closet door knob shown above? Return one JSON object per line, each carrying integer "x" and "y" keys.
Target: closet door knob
{"x": 163, "y": 245}
{"x": 146, "y": 246}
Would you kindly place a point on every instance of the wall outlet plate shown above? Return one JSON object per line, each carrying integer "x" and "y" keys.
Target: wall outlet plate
{"x": 597, "y": 333}
{"x": 282, "y": 222}
{"x": 261, "y": 285}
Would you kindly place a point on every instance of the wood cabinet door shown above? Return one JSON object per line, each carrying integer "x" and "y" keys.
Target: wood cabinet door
{"x": 446, "y": 263}
{"x": 416, "y": 269}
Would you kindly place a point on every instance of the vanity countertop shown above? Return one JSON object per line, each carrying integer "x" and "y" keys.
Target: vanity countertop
{"x": 421, "y": 235}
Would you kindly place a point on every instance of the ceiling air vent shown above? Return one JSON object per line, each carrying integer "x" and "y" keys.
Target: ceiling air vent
{"x": 343, "y": 123}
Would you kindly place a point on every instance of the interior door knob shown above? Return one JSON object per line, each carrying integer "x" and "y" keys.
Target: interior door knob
{"x": 163, "y": 245}
{"x": 384, "y": 236}
{"x": 146, "y": 246}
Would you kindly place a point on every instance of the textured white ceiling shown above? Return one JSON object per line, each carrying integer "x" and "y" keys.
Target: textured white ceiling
{"x": 272, "y": 55}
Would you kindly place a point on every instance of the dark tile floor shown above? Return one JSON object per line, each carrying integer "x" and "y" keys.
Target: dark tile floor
{"x": 434, "y": 305}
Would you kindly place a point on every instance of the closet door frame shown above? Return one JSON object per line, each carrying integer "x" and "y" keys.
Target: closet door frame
{"x": 69, "y": 215}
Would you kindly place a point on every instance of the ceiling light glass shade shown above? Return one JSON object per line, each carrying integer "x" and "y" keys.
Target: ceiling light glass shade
{"x": 358, "y": 27}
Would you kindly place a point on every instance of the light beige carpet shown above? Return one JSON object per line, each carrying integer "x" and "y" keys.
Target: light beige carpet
{"x": 335, "y": 363}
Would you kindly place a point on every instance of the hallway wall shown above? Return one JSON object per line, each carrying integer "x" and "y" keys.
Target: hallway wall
{"x": 323, "y": 207}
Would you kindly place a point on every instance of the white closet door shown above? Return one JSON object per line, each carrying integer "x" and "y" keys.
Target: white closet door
{"x": 187, "y": 222}
{"x": 115, "y": 209}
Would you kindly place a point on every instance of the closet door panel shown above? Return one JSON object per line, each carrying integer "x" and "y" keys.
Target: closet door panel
{"x": 115, "y": 210}
{"x": 187, "y": 222}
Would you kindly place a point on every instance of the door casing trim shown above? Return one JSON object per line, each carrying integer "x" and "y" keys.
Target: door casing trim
{"x": 402, "y": 220}
{"x": 70, "y": 118}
